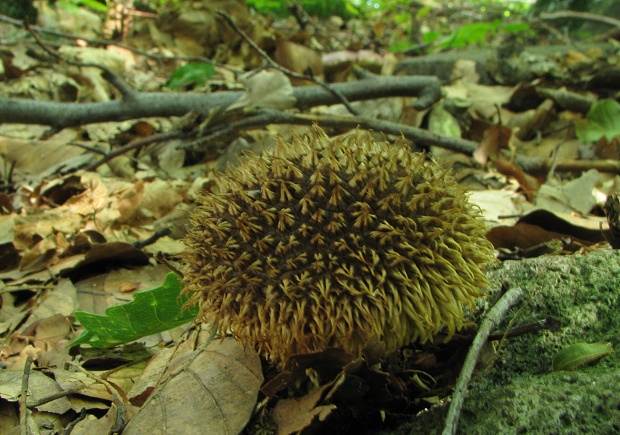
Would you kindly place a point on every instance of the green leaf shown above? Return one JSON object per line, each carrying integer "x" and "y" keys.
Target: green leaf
{"x": 578, "y": 354}
{"x": 603, "y": 119}
{"x": 516, "y": 27}
{"x": 151, "y": 311}
{"x": 403, "y": 17}
{"x": 424, "y": 11}
{"x": 69, "y": 6}
{"x": 469, "y": 34}
{"x": 72, "y": 5}
{"x": 401, "y": 46}
{"x": 93, "y": 4}
{"x": 430, "y": 37}
{"x": 441, "y": 122}
{"x": 191, "y": 73}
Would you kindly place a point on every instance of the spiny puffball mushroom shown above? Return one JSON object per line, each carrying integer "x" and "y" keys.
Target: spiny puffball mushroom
{"x": 331, "y": 242}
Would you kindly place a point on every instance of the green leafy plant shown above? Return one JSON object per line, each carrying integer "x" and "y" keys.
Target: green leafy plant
{"x": 191, "y": 74}
{"x": 73, "y": 5}
{"x": 319, "y": 8}
{"x": 469, "y": 34}
{"x": 603, "y": 119}
{"x": 466, "y": 35}
{"x": 152, "y": 311}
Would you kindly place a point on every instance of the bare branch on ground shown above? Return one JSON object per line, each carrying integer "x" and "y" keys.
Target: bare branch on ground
{"x": 165, "y": 104}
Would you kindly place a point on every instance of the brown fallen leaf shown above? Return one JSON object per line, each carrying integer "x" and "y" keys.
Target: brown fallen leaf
{"x": 298, "y": 58}
{"x": 325, "y": 365}
{"x": 607, "y": 148}
{"x": 541, "y": 226}
{"x": 494, "y": 139}
{"x": 92, "y": 424}
{"x": 528, "y": 183}
{"x": 295, "y": 415}
{"x": 521, "y": 235}
{"x": 36, "y": 159}
{"x": 39, "y": 386}
{"x": 212, "y": 387}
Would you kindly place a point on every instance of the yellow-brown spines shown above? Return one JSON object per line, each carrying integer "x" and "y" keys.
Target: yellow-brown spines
{"x": 332, "y": 242}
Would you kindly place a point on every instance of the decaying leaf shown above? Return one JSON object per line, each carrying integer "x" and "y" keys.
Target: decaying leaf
{"x": 39, "y": 386}
{"x": 575, "y": 195}
{"x": 270, "y": 89}
{"x": 495, "y": 138}
{"x": 298, "y": 58}
{"x": 295, "y": 415}
{"x": 542, "y": 226}
{"x": 213, "y": 387}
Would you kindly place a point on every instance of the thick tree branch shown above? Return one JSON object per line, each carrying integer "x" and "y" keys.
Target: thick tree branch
{"x": 165, "y": 104}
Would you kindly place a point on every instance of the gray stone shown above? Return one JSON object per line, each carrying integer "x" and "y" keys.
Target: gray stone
{"x": 518, "y": 393}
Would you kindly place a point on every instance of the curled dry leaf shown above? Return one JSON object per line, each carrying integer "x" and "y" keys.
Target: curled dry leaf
{"x": 542, "y": 226}
{"x": 495, "y": 138}
{"x": 39, "y": 386}
{"x": 528, "y": 183}
{"x": 295, "y": 415}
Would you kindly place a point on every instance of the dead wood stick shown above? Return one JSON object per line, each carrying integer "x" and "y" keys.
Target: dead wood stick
{"x": 343, "y": 99}
{"x": 584, "y": 16}
{"x": 490, "y": 322}
{"x": 165, "y": 104}
{"x": 262, "y": 117}
{"x": 24, "y": 412}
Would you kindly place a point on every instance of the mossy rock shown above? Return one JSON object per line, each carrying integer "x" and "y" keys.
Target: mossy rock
{"x": 519, "y": 393}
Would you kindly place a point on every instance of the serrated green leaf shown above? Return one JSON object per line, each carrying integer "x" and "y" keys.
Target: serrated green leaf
{"x": 191, "y": 73}
{"x": 603, "y": 119}
{"x": 152, "y": 311}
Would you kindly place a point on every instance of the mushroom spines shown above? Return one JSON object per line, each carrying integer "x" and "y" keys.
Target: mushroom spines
{"x": 331, "y": 242}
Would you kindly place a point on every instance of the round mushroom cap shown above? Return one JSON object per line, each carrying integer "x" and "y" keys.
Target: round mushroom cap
{"x": 334, "y": 242}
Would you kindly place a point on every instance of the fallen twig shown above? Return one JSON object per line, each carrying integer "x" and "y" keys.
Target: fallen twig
{"x": 343, "y": 99}
{"x": 24, "y": 412}
{"x": 584, "y": 16}
{"x": 74, "y": 423}
{"x": 165, "y": 104}
{"x": 262, "y": 117}
{"x": 491, "y": 320}
{"x": 117, "y": 398}
{"x": 139, "y": 143}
